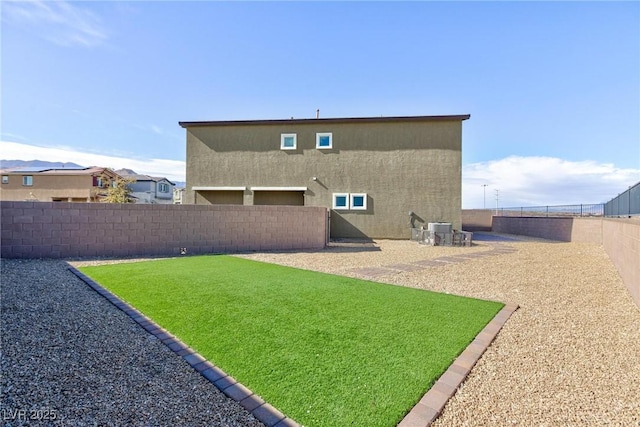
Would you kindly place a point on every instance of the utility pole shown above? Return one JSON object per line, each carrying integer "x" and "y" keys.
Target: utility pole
{"x": 497, "y": 200}
{"x": 484, "y": 196}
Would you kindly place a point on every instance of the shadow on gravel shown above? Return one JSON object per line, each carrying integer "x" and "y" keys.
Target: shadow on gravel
{"x": 488, "y": 237}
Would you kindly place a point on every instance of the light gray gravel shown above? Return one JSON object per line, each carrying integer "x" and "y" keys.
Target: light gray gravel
{"x": 68, "y": 353}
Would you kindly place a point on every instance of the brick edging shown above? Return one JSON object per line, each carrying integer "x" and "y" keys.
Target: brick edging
{"x": 253, "y": 403}
{"x": 433, "y": 402}
{"x": 421, "y": 415}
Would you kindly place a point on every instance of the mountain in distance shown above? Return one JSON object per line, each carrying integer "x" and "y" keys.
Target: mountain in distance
{"x": 5, "y": 164}
{"x": 124, "y": 172}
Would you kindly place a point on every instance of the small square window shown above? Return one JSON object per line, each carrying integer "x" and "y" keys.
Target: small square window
{"x": 359, "y": 201}
{"x": 340, "y": 201}
{"x": 288, "y": 141}
{"x": 5, "y": 179}
{"x": 27, "y": 180}
{"x": 324, "y": 140}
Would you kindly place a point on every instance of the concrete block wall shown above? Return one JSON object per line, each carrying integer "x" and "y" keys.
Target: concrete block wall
{"x": 620, "y": 238}
{"x": 621, "y": 241}
{"x": 70, "y": 230}
{"x": 588, "y": 230}
{"x": 546, "y": 228}
{"x": 477, "y": 219}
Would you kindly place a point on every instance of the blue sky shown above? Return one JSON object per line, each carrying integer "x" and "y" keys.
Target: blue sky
{"x": 553, "y": 89}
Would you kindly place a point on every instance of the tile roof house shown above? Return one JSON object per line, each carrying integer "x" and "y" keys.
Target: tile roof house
{"x": 376, "y": 175}
{"x": 46, "y": 184}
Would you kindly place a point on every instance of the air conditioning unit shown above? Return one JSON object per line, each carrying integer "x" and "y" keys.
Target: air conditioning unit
{"x": 440, "y": 227}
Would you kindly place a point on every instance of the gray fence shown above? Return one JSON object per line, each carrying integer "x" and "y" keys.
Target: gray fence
{"x": 626, "y": 204}
{"x": 591, "y": 210}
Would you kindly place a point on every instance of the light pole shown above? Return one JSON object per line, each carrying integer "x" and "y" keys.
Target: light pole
{"x": 497, "y": 200}
{"x": 484, "y": 196}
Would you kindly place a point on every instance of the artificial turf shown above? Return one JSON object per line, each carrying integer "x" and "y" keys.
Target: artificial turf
{"x": 326, "y": 350}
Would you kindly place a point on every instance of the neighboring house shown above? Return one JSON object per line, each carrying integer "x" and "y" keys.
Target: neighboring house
{"x": 178, "y": 195}
{"x": 378, "y": 175}
{"x": 45, "y": 184}
{"x": 147, "y": 189}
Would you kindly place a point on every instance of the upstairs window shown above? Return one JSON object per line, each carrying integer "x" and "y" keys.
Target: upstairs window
{"x": 27, "y": 180}
{"x": 340, "y": 201}
{"x": 288, "y": 141}
{"x": 163, "y": 187}
{"x": 5, "y": 179}
{"x": 324, "y": 140}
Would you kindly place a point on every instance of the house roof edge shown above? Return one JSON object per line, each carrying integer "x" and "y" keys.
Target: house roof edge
{"x": 381, "y": 119}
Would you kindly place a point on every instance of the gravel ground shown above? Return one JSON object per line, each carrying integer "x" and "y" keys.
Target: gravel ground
{"x": 69, "y": 354}
{"x": 570, "y": 356}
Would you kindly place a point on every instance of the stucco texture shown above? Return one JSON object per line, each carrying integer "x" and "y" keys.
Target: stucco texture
{"x": 402, "y": 166}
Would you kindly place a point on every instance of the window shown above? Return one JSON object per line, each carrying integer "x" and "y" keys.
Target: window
{"x": 5, "y": 179}
{"x": 324, "y": 140}
{"x": 340, "y": 201}
{"x": 288, "y": 141}
{"x": 359, "y": 201}
{"x": 353, "y": 201}
{"x": 163, "y": 187}
{"x": 27, "y": 180}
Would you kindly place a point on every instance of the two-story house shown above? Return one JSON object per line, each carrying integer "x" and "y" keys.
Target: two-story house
{"x": 147, "y": 189}
{"x": 45, "y": 184}
{"x": 377, "y": 175}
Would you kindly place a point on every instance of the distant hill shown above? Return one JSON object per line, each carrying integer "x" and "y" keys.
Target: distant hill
{"x": 124, "y": 172}
{"x": 5, "y": 164}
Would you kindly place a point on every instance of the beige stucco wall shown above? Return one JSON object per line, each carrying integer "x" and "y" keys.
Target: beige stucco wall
{"x": 47, "y": 187}
{"x": 402, "y": 166}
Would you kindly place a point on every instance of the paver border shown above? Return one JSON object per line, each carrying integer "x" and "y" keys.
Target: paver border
{"x": 263, "y": 411}
{"x": 421, "y": 415}
{"x": 433, "y": 402}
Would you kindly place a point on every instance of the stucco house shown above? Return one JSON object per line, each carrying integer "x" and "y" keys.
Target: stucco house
{"x": 376, "y": 175}
{"x": 45, "y": 184}
{"x": 147, "y": 189}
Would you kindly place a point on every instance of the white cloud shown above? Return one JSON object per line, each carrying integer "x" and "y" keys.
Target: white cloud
{"x": 174, "y": 170}
{"x": 542, "y": 181}
{"x": 60, "y": 22}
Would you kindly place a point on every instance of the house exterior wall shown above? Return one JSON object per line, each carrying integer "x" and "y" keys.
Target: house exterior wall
{"x": 141, "y": 186}
{"x": 164, "y": 196}
{"x": 46, "y": 188}
{"x": 402, "y": 166}
{"x": 148, "y": 191}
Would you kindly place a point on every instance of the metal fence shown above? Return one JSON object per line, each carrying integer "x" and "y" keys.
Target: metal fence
{"x": 591, "y": 210}
{"x": 626, "y": 204}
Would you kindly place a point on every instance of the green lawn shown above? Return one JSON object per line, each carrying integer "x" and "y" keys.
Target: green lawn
{"x": 326, "y": 350}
